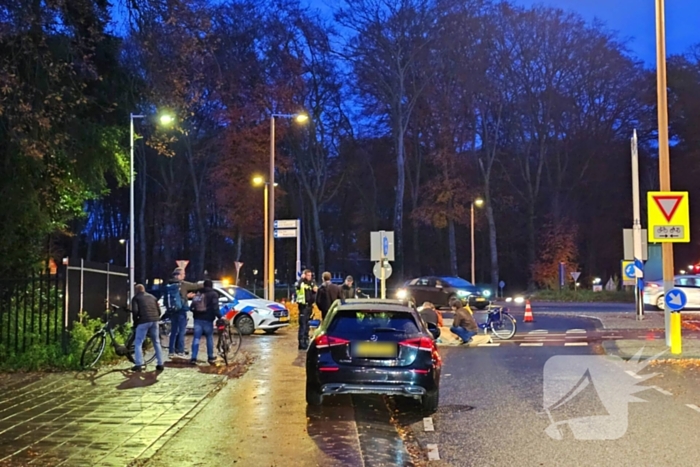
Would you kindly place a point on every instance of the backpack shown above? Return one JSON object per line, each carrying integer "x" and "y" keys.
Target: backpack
{"x": 172, "y": 298}
{"x": 199, "y": 305}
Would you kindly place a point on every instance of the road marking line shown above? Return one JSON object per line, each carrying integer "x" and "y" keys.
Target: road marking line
{"x": 576, "y": 331}
{"x": 662, "y": 391}
{"x": 428, "y": 424}
{"x": 575, "y": 344}
{"x": 633, "y": 374}
{"x": 490, "y": 344}
{"x": 433, "y": 454}
{"x": 694, "y": 407}
{"x": 531, "y": 344}
{"x": 611, "y": 337}
{"x": 539, "y": 331}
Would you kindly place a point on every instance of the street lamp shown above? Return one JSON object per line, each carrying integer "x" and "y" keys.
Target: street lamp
{"x": 478, "y": 202}
{"x": 258, "y": 181}
{"x": 165, "y": 119}
{"x": 123, "y": 241}
{"x": 299, "y": 118}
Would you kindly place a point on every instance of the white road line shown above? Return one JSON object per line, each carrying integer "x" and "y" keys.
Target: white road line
{"x": 575, "y": 344}
{"x": 433, "y": 454}
{"x": 662, "y": 391}
{"x": 428, "y": 424}
{"x": 539, "y": 331}
{"x": 531, "y": 344}
{"x": 693, "y": 406}
{"x": 576, "y": 331}
{"x": 611, "y": 337}
{"x": 490, "y": 344}
{"x": 633, "y": 374}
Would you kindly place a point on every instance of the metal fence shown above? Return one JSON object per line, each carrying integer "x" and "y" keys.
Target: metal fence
{"x": 42, "y": 308}
{"x": 32, "y": 311}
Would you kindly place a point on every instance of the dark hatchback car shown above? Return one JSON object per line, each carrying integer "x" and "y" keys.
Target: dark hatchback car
{"x": 439, "y": 291}
{"x": 374, "y": 347}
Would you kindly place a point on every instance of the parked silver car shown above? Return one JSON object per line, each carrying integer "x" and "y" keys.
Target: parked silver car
{"x": 690, "y": 284}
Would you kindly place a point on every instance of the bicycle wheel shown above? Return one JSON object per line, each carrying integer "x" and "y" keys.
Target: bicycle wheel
{"x": 93, "y": 350}
{"x": 164, "y": 330}
{"x": 235, "y": 342}
{"x": 149, "y": 351}
{"x": 505, "y": 327}
{"x": 224, "y": 345}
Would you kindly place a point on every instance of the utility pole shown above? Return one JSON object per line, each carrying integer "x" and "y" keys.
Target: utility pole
{"x": 637, "y": 232}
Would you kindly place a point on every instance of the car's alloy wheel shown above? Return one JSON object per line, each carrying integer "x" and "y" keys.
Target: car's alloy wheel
{"x": 245, "y": 325}
{"x": 660, "y": 302}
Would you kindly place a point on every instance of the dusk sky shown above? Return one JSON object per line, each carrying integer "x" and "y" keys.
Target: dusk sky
{"x": 633, "y": 19}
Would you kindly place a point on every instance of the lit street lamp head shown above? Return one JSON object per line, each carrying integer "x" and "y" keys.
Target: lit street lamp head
{"x": 301, "y": 118}
{"x": 258, "y": 180}
{"x": 166, "y": 119}
{"x": 478, "y": 202}
{"x": 122, "y": 241}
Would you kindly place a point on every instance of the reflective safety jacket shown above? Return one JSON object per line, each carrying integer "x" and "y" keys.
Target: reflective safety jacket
{"x": 305, "y": 292}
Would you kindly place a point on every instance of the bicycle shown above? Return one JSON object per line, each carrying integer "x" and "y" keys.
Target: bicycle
{"x": 229, "y": 341}
{"x": 95, "y": 346}
{"x": 499, "y": 321}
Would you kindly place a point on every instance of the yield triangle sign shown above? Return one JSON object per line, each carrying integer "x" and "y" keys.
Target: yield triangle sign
{"x": 667, "y": 205}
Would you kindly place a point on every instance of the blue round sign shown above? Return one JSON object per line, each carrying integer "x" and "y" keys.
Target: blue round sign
{"x": 675, "y": 299}
{"x": 501, "y": 284}
{"x": 629, "y": 270}
{"x": 385, "y": 245}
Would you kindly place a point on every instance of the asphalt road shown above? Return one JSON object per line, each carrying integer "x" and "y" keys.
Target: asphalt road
{"x": 574, "y": 307}
{"x": 491, "y": 413}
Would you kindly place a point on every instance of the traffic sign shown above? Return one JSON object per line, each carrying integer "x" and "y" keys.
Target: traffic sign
{"x": 285, "y": 233}
{"x": 385, "y": 246}
{"x": 676, "y": 299}
{"x": 501, "y": 284}
{"x": 378, "y": 246}
{"x": 182, "y": 263}
{"x": 286, "y": 224}
{"x": 669, "y": 216}
{"x": 575, "y": 275}
{"x": 378, "y": 273}
{"x": 628, "y": 277}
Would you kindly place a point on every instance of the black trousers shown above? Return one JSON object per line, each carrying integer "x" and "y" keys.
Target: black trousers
{"x": 304, "y": 316}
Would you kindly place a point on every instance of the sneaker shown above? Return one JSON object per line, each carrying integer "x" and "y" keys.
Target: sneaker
{"x": 468, "y": 342}
{"x": 212, "y": 361}
{"x": 137, "y": 368}
{"x": 193, "y": 362}
{"x": 160, "y": 368}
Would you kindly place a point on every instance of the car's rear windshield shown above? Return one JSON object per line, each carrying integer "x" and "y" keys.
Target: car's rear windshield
{"x": 363, "y": 324}
{"x": 457, "y": 282}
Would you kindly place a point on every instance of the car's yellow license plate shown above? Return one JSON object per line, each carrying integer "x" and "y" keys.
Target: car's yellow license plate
{"x": 480, "y": 299}
{"x": 284, "y": 318}
{"x": 375, "y": 350}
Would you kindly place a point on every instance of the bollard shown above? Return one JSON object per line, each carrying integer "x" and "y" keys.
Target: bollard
{"x": 676, "y": 343}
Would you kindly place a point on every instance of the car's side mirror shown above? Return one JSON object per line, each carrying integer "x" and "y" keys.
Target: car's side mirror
{"x": 434, "y": 330}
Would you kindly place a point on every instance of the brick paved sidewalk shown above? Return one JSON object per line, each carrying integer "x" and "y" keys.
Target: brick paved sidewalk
{"x": 110, "y": 418}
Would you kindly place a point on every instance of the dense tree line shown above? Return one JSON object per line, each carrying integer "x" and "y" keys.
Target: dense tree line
{"x": 416, "y": 108}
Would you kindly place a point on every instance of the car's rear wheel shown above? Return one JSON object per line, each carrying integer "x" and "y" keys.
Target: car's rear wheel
{"x": 430, "y": 400}
{"x": 313, "y": 394}
{"x": 245, "y": 324}
{"x": 660, "y": 302}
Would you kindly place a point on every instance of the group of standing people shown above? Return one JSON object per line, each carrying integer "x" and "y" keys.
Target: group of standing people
{"x": 308, "y": 294}
{"x": 146, "y": 315}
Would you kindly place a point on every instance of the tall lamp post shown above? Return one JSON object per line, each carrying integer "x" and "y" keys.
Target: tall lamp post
{"x": 299, "y": 118}
{"x": 479, "y": 202}
{"x": 164, "y": 119}
{"x": 258, "y": 180}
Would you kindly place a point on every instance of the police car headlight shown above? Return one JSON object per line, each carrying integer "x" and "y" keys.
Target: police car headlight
{"x": 486, "y": 293}
{"x": 462, "y": 293}
{"x": 401, "y": 294}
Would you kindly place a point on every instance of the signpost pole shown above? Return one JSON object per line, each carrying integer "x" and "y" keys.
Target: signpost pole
{"x": 637, "y": 232}
{"x": 664, "y": 157}
{"x": 298, "y": 249}
{"x": 382, "y": 277}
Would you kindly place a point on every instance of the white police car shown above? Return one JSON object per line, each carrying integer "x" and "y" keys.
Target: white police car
{"x": 246, "y": 310}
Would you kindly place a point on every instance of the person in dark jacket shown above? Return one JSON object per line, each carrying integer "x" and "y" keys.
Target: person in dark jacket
{"x": 178, "y": 318}
{"x": 327, "y": 293}
{"x": 347, "y": 290}
{"x": 463, "y": 324}
{"x": 204, "y": 322}
{"x": 146, "y": 313}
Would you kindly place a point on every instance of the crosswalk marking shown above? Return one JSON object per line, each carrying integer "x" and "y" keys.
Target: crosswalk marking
{"x": 428, "y": 424}
{"x": 662, "y": 391}
{"x": 576, "y": 331}
{"x": 539, "y": 331}
{"x": 531, "y": 344}
{"x": 693, "y": 406}
{"x": 489, "y": 344}
{"x": 433, "y": 454}
{"x": 575, "y": 344}
{"x": 633, "y": 374}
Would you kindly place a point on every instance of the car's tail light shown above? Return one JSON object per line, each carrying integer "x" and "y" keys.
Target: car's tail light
{"x": 328, "y": 368}
{"x": 329, "y": 341}
{"x": 421, "y": 372}
{"x": 420, "y": 343}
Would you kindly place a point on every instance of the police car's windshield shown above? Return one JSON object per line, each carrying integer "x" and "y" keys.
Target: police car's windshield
{"x": 243, "y": 294}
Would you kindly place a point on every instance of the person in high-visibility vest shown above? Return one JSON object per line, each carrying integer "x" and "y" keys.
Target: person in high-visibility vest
{"x": 306, "y": 296}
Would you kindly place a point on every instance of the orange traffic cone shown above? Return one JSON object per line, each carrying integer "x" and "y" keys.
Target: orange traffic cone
{"x": 528, "y": 313}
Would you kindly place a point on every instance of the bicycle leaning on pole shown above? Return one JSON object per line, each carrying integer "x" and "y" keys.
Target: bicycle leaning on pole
{"x": 95, "y": 346}
{"x": 229, "y": 341}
